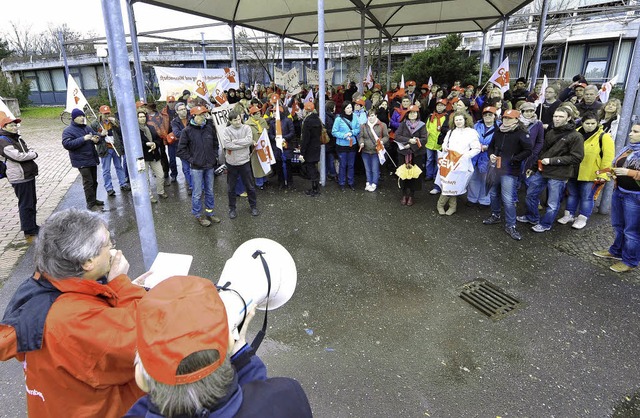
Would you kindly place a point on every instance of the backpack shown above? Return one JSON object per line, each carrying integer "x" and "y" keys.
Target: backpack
{"x": 3, "y": 164}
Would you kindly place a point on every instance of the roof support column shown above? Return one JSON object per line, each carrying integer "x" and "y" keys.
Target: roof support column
{"x": 389, "y": 66}
{"x": 311, "y": 56}
{"x": 321, "y": 88}
{"x": 379, "y": 55}
{"x": 133, "y": 33}
{"x": 541, "y": 29}
{"x": 360, "y": 83}
{"x": 63, "y": 50}
{"x": 234, "y": 56}
{"x": 484, "y": 45}
{"x": 631, "y": 99}
{"x": 504, "y": 34}
{"x": 282, "y": 48}
{"x": 123, "y": 87}
{"x": 204, "y": 53}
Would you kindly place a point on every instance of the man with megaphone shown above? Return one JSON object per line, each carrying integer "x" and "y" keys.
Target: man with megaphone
{"x": 191, "y": 366}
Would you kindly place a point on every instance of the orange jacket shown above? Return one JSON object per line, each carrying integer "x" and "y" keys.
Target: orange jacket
{"x": 85, "y": 366}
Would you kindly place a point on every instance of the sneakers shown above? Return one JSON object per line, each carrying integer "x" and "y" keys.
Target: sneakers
{"x": 568, "y": 217}
{"x": 620, "y": 267}
{"x": 580, "y": 222}
{"x": 213, "y": 219}
{"x": 435, "y": 190}
{"x": 367, "y": 188}
{"x": 524, "y": 219}
{"x": 125, "y": 188}
{"x": 163, "y": 195}
{"x": 540, "y": 228}
{"x": 154, "y": 199}
{"x": 513, "y": 233}
{"x": 203, "y": 221}
{"x": 243, "y": 194}
{"x": 111, "y": 192}
{"x": 233, "y": 214}
{"x": 606, "y": 254}
{"x": 493, "y": 219}
{"x": 255, "y": 212}
{"x": 373, "y": 187}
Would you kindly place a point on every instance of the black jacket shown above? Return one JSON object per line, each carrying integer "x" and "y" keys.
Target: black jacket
{"x": 330, "y": 118}
{"x": 199, "y": 146}
{"x": 146, "y": 151}
{"x": 310, "y": 138}
{"x": 513, "y": 148}
{"x": 564, "y": 147}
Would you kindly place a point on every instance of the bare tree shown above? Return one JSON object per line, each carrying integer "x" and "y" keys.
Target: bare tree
{"x": 20, "y": 38}
{"x": 24, "y": 41}
{"x": 261, "y": 48}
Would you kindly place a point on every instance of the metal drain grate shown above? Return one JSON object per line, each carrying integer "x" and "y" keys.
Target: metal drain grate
{"x": 488, "y": 298}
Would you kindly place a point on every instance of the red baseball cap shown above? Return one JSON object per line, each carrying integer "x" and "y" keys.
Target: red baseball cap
{"x": 274, "y": 98}
{"x": 253, "y": 109}
{"x": 360, "y": 102}
{"x": 511, "y": 113}
{"x": 7, "y": 120}
{"x": 180, "y": 316}
{"x": 198, "y": 110}
{"x": 442, "y": 101}
{"x": 411, "y": 83}
{"x": 413, "y": 108}
{"x": 171, "y": 99}
{"x": 489, "y": 109}
{"x": 104, "y": 109}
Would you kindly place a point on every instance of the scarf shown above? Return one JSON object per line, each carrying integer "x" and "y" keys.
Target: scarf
{"x": 412, "y": 125}
{"x": 633, "y": 159}
{"x": 438, "y": 118}
{"x": 147, "y": 133}
{"x": 504, "y": 128}
{"x": 528, "y": 121}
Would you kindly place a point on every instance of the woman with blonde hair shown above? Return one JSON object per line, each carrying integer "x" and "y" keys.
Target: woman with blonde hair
{"x": 609, "y": 115}
{"x": 463, "y": 139}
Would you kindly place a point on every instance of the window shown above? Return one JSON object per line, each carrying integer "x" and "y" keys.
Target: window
{"x": 44, "y": 80}
{"x": 59, "y": 82}
{"x": 89, "y": 78}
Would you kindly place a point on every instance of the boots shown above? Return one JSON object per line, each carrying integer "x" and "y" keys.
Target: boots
{"x": 453, "y": 203}
{"x": 442, "y": 200}
{"x": 314, "y": 189}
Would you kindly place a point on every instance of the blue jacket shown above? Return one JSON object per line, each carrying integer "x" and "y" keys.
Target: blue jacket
{"x": 341, "y": 127}
{"x": 251, "y": 394}
{"x": 481, "y": 161}
{"x": 82, "y": 153}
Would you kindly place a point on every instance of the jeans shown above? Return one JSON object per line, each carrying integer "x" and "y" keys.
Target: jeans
{"x": 505, "y": 192}
{"x": 27, "y": 199}
{"x": 476, "y": 190}
{"x": 431, "y": 168}
{"x": 186, "y": 170}
{"x": 173, "y": 166}
{"x": 106, "y": 169}
{"x": 202, "y": 180}
{"x": 625, "y": 221}
{"x": 89, "y": 183}
{"x": 371, "y": 167}
{"x": 555, "y": 188}
{"x": 260, "y": 181}
{"x": 244, "y": 172}
{"x": 330, "y": 164}
{"x": 581, "y": 194}
{"x": 239, "y": 185}
{"x": 347, "y": 162}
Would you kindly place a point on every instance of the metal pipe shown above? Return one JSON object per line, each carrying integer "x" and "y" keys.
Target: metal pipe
{"x": 311, "y": 56}
{"x": 379, "y": 55}
{"x": 282, "y": 48}
{"x": 541, "y": 29}
{"x": 321, "y": 90}
{"x": 362, "y": 75}
{"x": 504, "y": 35}
{"x": 106, "y": 80}
{"x": 627, "y": 118}
{"x": 234, "y": 57}
{"x": 204, "y": 53}
{"x": 123, "y": 87}
{"x": 389, "y": 66}
{"x": 615, "y": 61}
{"x": 133, "y": 33}
{"x": 64, "y": 56}
{"x": 484, "y": 45}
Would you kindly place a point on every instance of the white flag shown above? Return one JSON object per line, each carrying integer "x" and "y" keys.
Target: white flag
{"x": 606, "y": 89}
{"x": 309, "y": 98}
{"x": 201, "y": 88}
{"x": 402, "y": 82}
{"x": 255, "y": 90}
{"x": 369, "y": 79}
{"x": 75, "y": 98}
{"x": 501, "y": 76}
{"x": 386, "y": 98}
{"x": 279, "y": 138}
{"x": 430, "y": 83}
{"x": 4, "y": 108}
{"x": 543, "y": 89}
{"x": 264, "y": 152}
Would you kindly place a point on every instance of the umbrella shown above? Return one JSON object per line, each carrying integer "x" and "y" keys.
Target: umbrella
{"x": 492, "y": 177}
{"x": 408, "y": 171}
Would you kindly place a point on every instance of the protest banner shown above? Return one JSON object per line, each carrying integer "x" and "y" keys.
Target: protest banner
{"x": 220, "y": 117}
{"x": 454, "y": 173}
{"x": 173, "y": 81}
{"x": 313, "y": 76}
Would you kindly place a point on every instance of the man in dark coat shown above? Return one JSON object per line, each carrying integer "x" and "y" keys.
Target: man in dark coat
{"x": 80, "y": 140}
{"x": 310, "y": 147}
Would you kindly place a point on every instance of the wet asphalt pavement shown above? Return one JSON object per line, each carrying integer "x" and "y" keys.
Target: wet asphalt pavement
{"x": 376, "y": 328}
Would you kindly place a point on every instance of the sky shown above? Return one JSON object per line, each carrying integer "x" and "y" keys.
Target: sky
{"x": 86, "y": 15}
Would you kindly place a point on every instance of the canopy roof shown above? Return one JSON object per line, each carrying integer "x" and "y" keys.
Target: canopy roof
{"x": 297, "y": 19}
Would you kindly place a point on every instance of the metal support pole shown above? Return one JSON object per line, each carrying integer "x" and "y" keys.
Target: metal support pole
{"x": 389, "y": 67}
{"x": 106, "y": 80}
{"x": 377, "y": 78}
{"x": 541, "y": 29}
{"x": 282, "y": 49}
{"x": 133, "y": 33}
{"x": 123, "y": 87}
{"x": 64, "y": 56}
{"x": 311, "y": 56}
{"x": 484, "y": 45}
{"x": 234, "y": 56}
{"x": 504, "y": 35}
{"x": 204, "y": 53}
{"x": 632, "y": 94}
{"x": 321, "y": 90}
{"x": 361, "y": 83}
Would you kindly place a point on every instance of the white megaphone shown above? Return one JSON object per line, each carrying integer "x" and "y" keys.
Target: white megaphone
{"x": 244, "y": 279}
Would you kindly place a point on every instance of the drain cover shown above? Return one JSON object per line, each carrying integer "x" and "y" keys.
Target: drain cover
{"x": 488, "y": 298}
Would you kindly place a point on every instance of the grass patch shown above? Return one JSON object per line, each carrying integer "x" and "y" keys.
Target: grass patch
{"x": 40, "y": 112}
